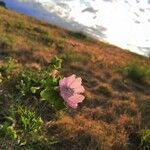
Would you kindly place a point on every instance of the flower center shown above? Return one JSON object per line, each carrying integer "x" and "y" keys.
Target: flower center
{"x": 68, "y": 91}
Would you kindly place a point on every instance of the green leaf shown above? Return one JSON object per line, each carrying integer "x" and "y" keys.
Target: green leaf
{"x": 59, "y": 104}
{"x": 52, "y": 96}
{"x": 56, "y": 62}
{"x": 34, "y": 89}
{"x": 45, "y": 94}
{"x": 8, "y": 130}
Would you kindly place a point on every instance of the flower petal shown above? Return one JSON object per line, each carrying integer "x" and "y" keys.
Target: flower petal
{"x": 70, "y": 79}
{"x": 63, "y": 82}
{"x": 73, "y": 105}
{"x": 64, "y": 96}
{"x": 76, "y": 81}
{"x": 79, "y": 80}
{"x": 70, "y": 89}
{"x": 76, "y": 86}
{"x": 76, "y": 98}
{"x": 80, "y": 89}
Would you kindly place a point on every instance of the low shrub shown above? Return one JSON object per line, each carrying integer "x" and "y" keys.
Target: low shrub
{"x": 78, "y": 35}
{"x": 7, "y": 69}
{"x": 29, "y": 120}
{"x": 2, "y": 4}
{"x": 6, "y": 42}
{"x": 34, "y": 99}
{"x": 145, "y": 139}
{"x": 43, "y": 36}
{"x": 70, "y": 56}
{"x": 47, "y": 39}
{"x": 60, "y": 45}
{"x": 137, "y": 72}
{"x": 8, "y": 130}
{"x": 40, "y": 30}
{"x": 19, "y": 25}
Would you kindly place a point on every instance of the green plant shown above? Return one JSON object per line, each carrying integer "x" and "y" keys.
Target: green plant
{"x": 38, "y": 143}
{"x": 50, "y": 92}
{"x": 60, "y": 45}
{"x": 8, "y": 130}
{"x": 137, "y": 72}
{"x": 2, "y": 4}
{"x": 145, "y": 139}
{"x": 19, "y": 25}
{"x": 8, "y": 27}
{"x": 56, "y": 63}
{"x": 27, "y": 80}
{"x": 42, "y": 84}
{"x": 10, "y": 65}
{"x": 6, "y": 42}
{"x": 78, "y": 35}
{"x": 29, "y": 120}
{"x": 7, "y": 68}
{"x": 44, "y": 36}
{"x": 47, "y": 39}
{"x": 1, "y": 78}
{"x": 52, "y": 96}
{"x": 40, "y": 30}
{"x": 70, "y": 56}
{"x": 20, "y": 123}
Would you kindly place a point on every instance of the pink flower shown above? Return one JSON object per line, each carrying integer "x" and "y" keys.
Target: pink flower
{"x": 71, "y": 89}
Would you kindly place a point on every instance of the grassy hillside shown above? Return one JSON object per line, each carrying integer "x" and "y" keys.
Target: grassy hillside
{"x": 116, "y": 112}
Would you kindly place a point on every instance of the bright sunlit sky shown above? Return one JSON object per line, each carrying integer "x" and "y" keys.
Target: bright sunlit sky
{"x": 125, "y": 23}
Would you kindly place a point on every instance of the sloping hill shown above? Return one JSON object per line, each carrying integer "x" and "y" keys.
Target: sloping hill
{"x": 117, "y": 83}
